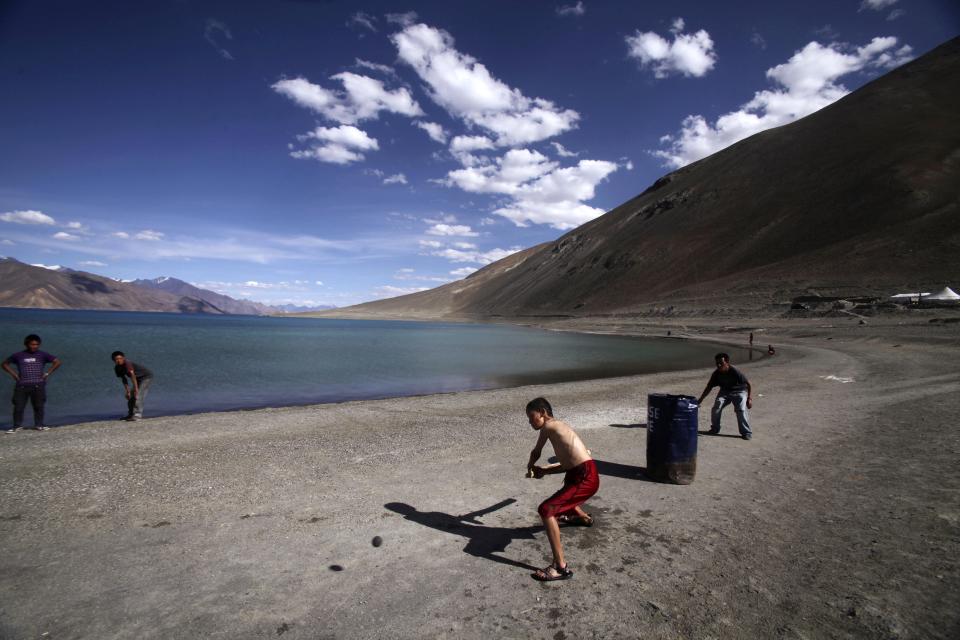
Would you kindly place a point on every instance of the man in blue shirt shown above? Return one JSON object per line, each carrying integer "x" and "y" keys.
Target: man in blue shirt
{"x": 31, "y": 381}
{"x": 735, "y": 389}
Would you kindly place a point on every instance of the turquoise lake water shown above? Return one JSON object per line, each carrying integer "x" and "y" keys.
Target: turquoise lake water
{"x": 212, "y": 363}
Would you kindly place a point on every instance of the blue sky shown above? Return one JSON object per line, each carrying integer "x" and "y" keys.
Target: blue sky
{"x": 323, "y": 152}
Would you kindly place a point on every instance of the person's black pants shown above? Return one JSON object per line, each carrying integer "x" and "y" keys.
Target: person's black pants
{"x": 37, "y": 395}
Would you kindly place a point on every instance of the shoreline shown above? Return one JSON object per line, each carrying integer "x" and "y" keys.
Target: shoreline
{"x": 230, "y": 524}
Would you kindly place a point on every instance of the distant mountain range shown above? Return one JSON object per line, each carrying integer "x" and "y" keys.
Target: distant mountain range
{"x": 23, "y": 285}
{"x": 861, "y": 197}
{"x": 296, "y": 308}
{"x": 54, "y": 287}
{"x": 224, "y": 303}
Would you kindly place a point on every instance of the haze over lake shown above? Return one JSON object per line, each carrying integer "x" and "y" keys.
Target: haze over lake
{"x": 209, "y": 363}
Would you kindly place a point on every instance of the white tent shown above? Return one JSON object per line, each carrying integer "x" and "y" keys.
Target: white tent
{"x": 947, "y": 294}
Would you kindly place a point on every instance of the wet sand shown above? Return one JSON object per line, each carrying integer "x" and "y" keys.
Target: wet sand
{"x": 841, "y": 518}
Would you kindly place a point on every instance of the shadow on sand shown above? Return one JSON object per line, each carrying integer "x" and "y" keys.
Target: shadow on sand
{"x": 718, "y": 435}
{"x": 619, "y": 470}
{"x": 616, "y": 469}
{"x": 639, "y": 425}
{"x": 482, "y": 541}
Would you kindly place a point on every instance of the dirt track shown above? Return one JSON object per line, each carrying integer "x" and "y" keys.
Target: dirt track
{"x": 841, "y": 518}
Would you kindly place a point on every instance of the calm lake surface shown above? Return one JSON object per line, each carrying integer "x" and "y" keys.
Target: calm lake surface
{"x": 213, "y": 363}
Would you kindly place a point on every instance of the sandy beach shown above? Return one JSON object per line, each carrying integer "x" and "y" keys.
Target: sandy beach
{"x": 840, "y": 519}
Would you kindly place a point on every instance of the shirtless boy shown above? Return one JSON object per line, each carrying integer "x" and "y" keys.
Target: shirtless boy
{"x": 580, "y": 482}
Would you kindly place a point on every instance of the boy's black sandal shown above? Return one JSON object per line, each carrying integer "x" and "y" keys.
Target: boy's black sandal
{"x": 543, "y": 575}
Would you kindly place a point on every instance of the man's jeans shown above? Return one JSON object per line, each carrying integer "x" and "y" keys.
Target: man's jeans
{"x": 37, "y": 395}
{"x": 135, "y": 403}
{"x": 739, "y": 401}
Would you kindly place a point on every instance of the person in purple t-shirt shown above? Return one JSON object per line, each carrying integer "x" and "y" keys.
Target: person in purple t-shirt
{"x": 31, "y": 381}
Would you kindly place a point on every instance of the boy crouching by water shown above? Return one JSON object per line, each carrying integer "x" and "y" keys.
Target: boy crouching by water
{"x": 580, "y": 482}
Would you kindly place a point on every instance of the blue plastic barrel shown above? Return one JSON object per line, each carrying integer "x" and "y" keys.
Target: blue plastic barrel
{"x": 671, "y": 438}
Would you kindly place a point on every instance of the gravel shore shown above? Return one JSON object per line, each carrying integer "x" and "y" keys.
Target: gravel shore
{"x": 840, "y": 519}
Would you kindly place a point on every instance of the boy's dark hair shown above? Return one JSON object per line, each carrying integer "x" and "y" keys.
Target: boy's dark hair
{"x": 540, "y": 405}
{"x": 722, "y": 356}
{"x": 32, "y": 338}
{"x": 116, "y": 353}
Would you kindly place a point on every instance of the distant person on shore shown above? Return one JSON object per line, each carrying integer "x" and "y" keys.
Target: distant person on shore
{"x": 31, "y": 381}
{"x": 136, "y": 392}
{"x": 580, "y": 482}
{"x": 735, "y": 389}
{"x": 771, "y": 351}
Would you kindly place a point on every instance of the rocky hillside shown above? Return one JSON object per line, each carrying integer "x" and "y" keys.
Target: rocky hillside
{"x": 23, "y": 285}
{"x": 862, "y": 197}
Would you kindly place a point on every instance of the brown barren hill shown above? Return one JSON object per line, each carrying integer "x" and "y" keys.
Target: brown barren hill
{"x": 23, "y": 285}
{"x": 858, "y": 198}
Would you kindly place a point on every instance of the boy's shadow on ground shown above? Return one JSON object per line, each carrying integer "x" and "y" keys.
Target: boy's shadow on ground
{"x": 639, "y": 425}
{"x": 482, "y": 541}
{"x": 718, "y": 435}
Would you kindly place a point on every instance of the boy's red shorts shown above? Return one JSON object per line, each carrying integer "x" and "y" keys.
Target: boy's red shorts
{"x": 579, "y": 484}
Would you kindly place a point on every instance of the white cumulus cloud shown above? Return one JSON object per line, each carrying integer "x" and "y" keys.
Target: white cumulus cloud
{"x": 436, "y": 132}
{"x": 467, "y": 90}
{"x": 557, "y": 198}
{"x": 470, "y": 143}
{"x": 572, "y": 9}
{"x": 689, "y": 54}
{"x": 390, "y": 291}
{"x": 364, "y": 20}
{"x": 213, "y": 31}
{"x": 28, "y": 216}
{"x": 473, "y": 255}
{"x": 462, "y": 148}
{"x": 562, "y": 151}
{"x": 150, "y": 235}
{"x": 805, "y": 83}
{"x": 505, "y": 175}
{"x": 374, "y": 66}
{"x": 451, "y": 230}
{"x": 63, "y": 235}
{"x": 540, "y": 192}
{"x": 876, "y": 5}
{"x": 362, "y": 98}
{"x": 402, "y": 19}
{"x": 338, "y": 145}
{"x": 463, "y": 272}
{"x": 397, "y": 178}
